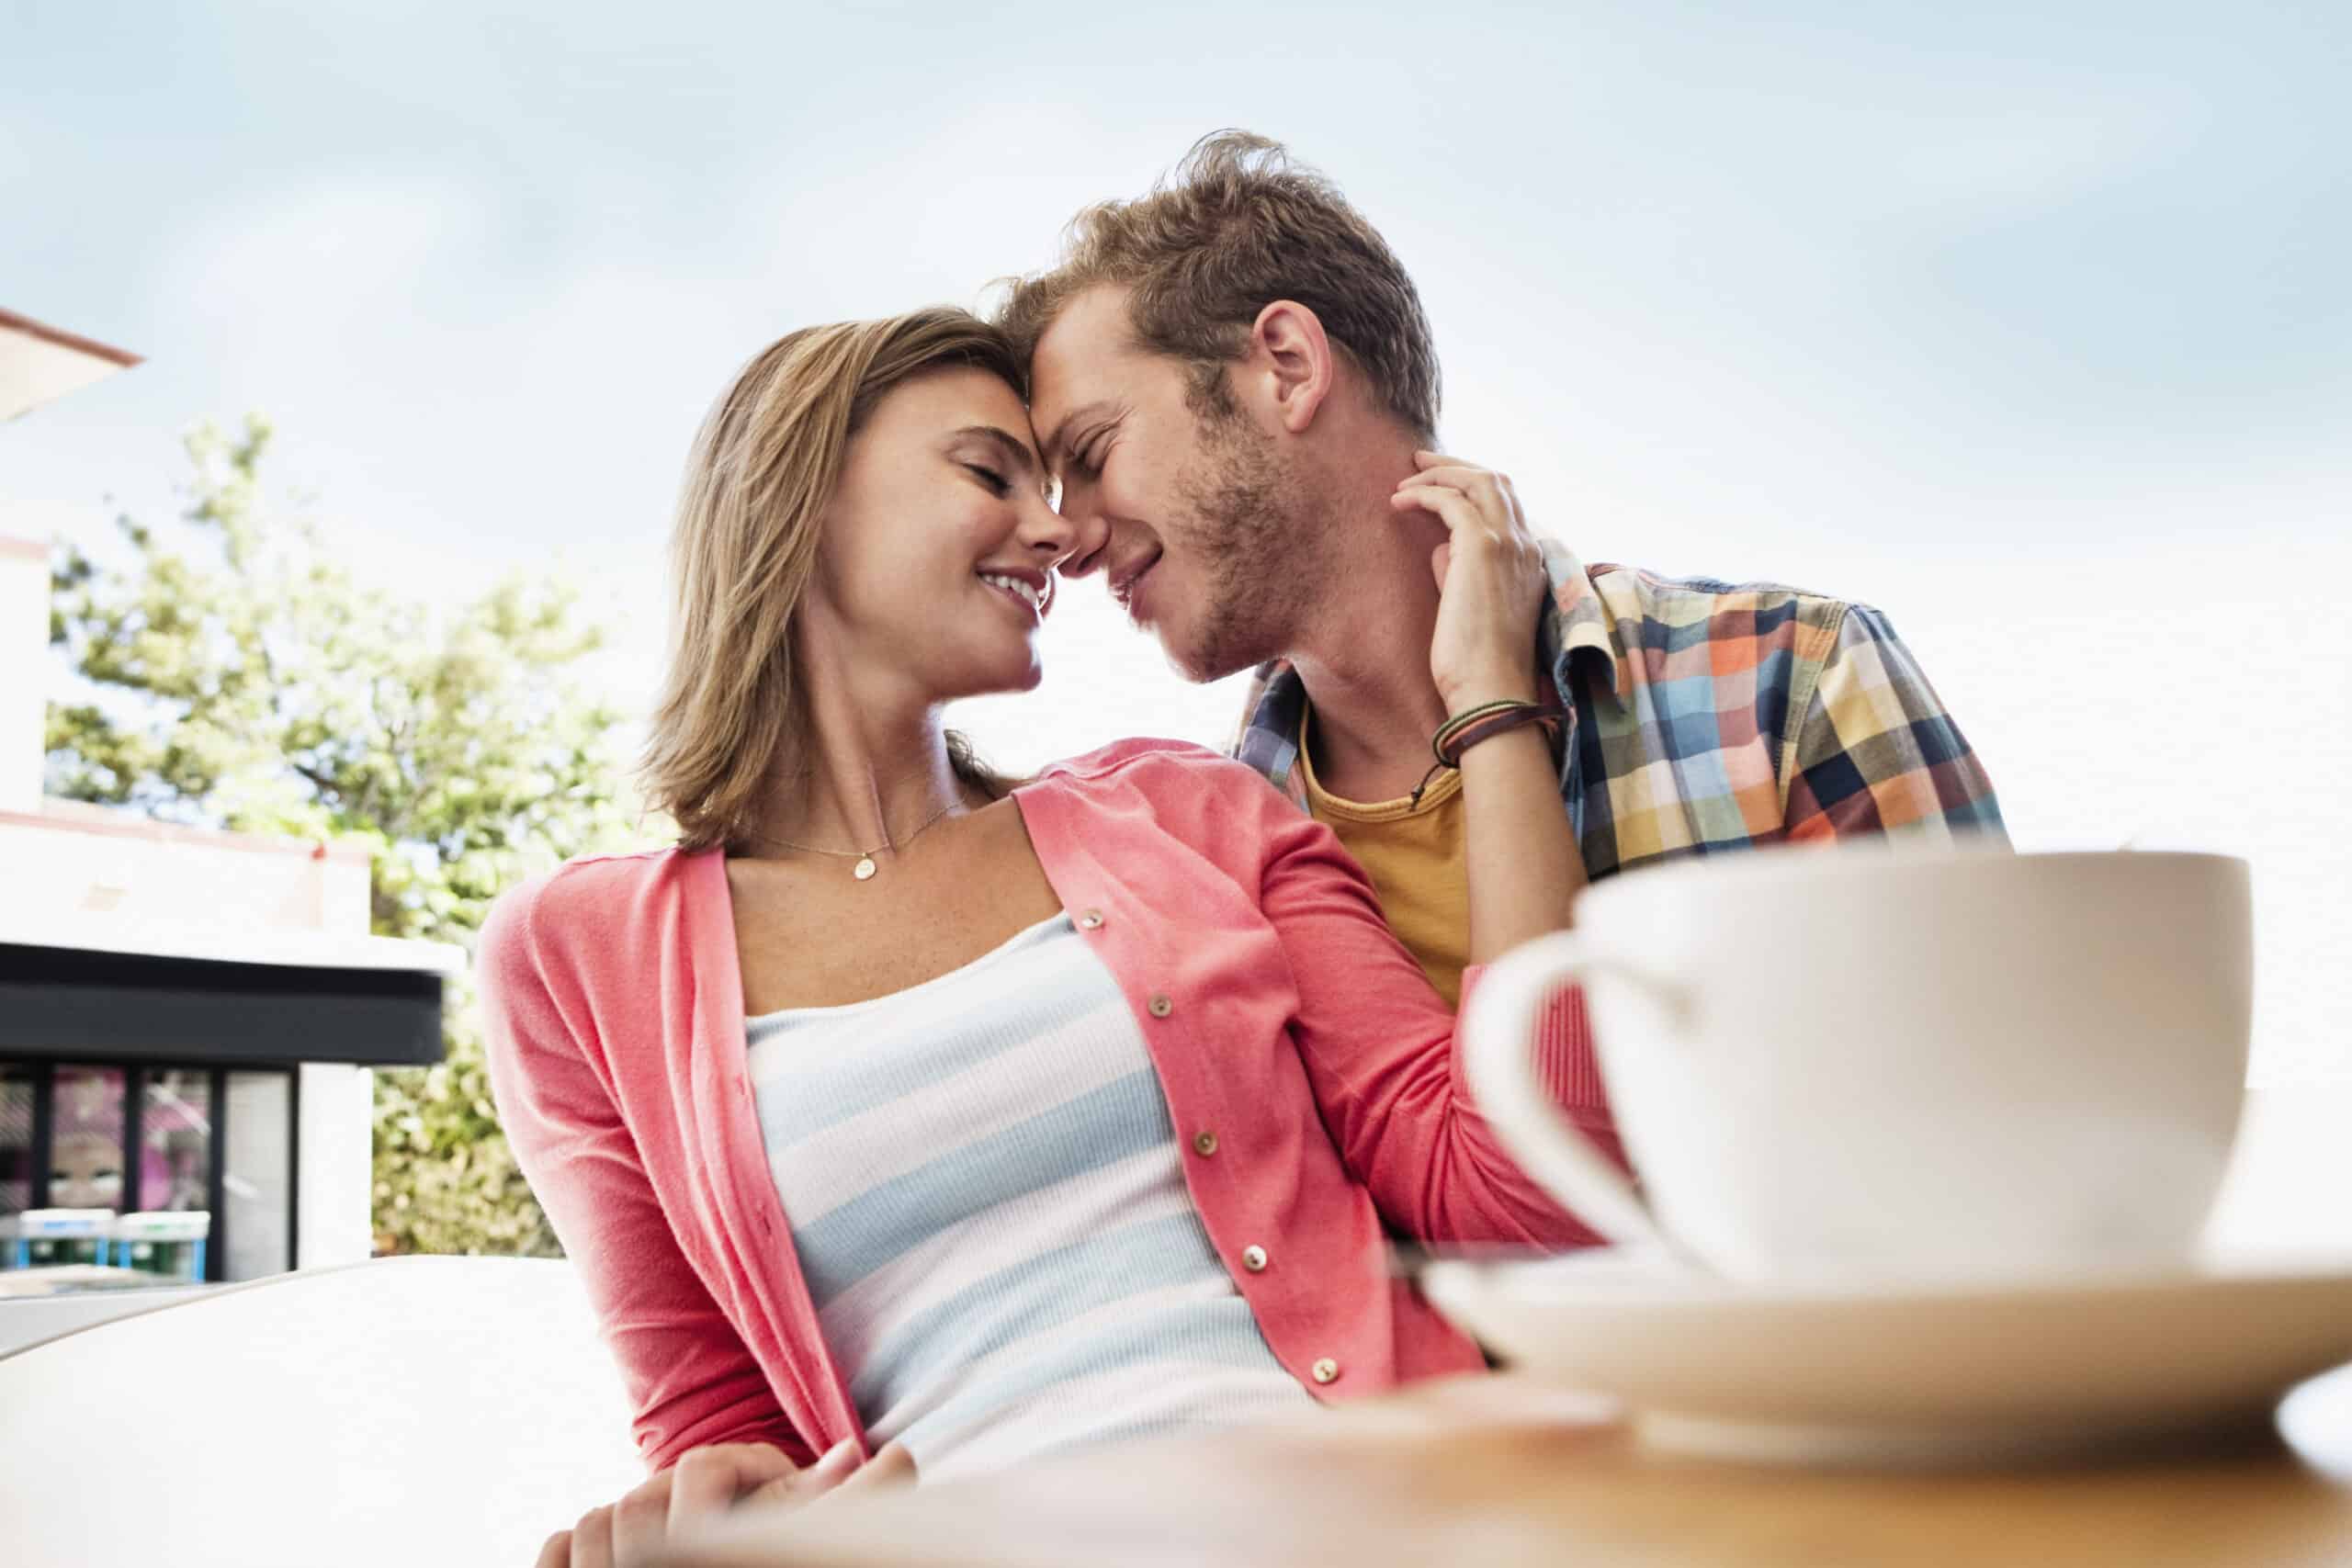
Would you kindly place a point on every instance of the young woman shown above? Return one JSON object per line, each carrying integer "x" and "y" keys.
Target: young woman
{"x": 899, "y": 1104}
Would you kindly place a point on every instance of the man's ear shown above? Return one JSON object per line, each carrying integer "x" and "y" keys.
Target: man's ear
{"x": 1292, "y": 360}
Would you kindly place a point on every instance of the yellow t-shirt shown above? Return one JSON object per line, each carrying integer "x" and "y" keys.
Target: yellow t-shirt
{"x": 1417, "y": 856}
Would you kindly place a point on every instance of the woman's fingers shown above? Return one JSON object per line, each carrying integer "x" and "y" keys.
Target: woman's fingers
{"x": 837, "y": 1469}
{"x": 1484, "y": 483}
{"x": 894, "y": 1466}
{"x": 1467, "y": 516}
{"x": 1424, "y": 459}
{"x": 1429, "y": 464}
{"x": 1462, "y": 522}
{"x": 833, "y": 1467}
{"x": 641, "y": 1520}
{"x": 710, "y": 1479}
{"x": 831, "y": 1470}
{"x": 592, "y": 1540}
{"x": 1497, "y": 501}
{"x": 1450, "y": 506}
{"x": 1475, "y": 518}
{"x": 703, "y": 1481}
{"x": 1489, "y": 575}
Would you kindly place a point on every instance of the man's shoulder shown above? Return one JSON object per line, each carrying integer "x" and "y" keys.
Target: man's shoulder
{"x": 1634, "y": 594}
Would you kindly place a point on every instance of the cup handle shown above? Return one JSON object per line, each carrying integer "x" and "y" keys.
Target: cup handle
{"x": 1499, "y": 1030}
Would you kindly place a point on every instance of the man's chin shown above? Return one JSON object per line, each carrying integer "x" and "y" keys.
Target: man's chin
{"x": 1201, "y": 665}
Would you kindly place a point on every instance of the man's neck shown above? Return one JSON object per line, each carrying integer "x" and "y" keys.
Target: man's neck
{"x": 1363, "y": 650}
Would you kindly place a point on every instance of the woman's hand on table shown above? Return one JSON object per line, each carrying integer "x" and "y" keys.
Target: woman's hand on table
{"x": 714, "y": 1480}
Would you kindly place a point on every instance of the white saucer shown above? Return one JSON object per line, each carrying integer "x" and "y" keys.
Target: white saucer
{"x": 1908, "y": 1374}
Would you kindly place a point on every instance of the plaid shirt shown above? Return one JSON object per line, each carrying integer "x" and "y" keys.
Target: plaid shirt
{"x": 1705, "y": 716}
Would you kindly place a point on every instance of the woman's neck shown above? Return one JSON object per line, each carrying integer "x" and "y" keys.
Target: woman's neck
{"x": 875, "y": 771}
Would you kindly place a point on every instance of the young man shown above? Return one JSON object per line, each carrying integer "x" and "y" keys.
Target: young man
{"x": 1233, "y": 373}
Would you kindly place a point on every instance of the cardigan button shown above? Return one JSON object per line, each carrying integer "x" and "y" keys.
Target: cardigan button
{"x": 1254, "y": 1259}
{"x": 1088, "y": 920}
{"x": 1159, "y": 1006}
{"x": 1205, "y": 1144}
{"x": 1326, "y": 1370}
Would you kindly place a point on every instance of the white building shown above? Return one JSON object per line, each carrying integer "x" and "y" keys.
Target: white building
{"x": 187, "y": 1018}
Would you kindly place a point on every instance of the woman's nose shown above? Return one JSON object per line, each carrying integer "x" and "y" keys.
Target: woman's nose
{"x": 1046, "y": 535}
{"x": 1064, "y": 535}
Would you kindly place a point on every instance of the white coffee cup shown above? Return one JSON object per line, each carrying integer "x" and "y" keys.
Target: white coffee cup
{"x": 1925, "y": 1064}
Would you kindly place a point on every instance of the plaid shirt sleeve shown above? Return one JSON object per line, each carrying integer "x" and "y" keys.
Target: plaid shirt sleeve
{"x": 1877, "y": 753}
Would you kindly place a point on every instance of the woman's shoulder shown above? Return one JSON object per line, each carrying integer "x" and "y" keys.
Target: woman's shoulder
{"x": 1167, "y": 788}
{"x": 584, "y": 904}
{"x": 1148, "y": 763}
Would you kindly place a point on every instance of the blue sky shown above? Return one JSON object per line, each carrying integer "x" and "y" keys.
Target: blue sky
{"x": 2031, "y": 324}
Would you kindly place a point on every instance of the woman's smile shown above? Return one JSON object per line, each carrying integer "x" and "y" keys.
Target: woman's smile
{"x": 1031, "y": 590}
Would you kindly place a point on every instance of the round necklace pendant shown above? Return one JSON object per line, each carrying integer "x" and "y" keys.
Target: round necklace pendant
{"x": 865, "y": 868}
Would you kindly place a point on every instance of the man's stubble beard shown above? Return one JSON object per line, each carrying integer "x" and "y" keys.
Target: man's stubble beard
{"x": 1254, "y": 526}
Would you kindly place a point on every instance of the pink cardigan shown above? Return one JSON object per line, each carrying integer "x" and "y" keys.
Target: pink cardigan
{"x": 1281, "y": 1013}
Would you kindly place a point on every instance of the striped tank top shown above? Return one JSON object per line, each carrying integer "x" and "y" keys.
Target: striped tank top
{"x": 988, "y": 1204}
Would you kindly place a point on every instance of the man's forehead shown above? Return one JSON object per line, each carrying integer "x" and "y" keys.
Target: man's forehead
{"x": 1098, "y": 312}
{"x": 1084, "y": 340}
{"x": 1082, "y": 360}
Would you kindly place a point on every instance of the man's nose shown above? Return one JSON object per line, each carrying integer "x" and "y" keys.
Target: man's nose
{"x": 1089, "y": 531}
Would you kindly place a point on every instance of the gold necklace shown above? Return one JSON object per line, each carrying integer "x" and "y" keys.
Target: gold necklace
{"x": 865, "y": 868}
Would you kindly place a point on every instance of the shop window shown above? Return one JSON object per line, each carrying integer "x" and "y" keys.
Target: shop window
{"x": 175, "y": 1139}
{"x": 17, "y": 1087}
{"x": 215, "y": 1141}
{"x": 257, "y": 1179}
{"x": 86, "y": 1165}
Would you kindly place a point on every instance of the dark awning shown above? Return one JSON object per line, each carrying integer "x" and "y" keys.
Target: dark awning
{"x": 371, "y": 1001}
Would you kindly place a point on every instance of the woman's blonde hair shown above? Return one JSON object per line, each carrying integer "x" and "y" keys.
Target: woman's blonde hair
{"x": 762, "y": 468}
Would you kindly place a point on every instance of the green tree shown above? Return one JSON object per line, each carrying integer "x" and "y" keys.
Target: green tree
{"x": 242, "y": 677}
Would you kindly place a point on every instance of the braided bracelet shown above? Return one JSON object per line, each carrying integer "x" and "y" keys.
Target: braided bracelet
{"x": 1485, "y": 721}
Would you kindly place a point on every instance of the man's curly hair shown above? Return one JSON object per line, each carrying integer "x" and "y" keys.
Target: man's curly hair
{"x": 1235, "y": 226}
